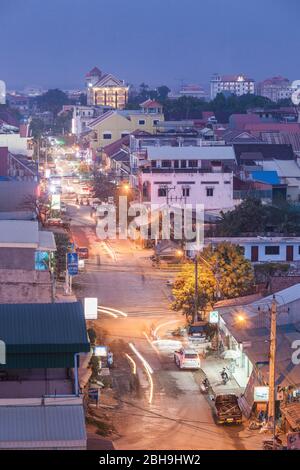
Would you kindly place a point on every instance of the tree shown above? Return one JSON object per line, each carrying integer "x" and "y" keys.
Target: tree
{"x": 103, "y": 187}
{"x": 62, "y": 242}
{"x": 253, "y": 216}
{"x": 225, "y": 272}
{"x": 37, "y": 127}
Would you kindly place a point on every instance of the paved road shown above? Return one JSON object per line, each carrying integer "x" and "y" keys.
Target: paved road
{"x": 179, "y": 417}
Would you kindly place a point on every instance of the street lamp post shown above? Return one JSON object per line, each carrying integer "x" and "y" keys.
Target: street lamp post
{"x": 272, "y": 365}
{"x": 195, "y": 316}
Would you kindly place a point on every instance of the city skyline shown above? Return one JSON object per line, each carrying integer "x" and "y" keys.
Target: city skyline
{"x": 77, "y": 45}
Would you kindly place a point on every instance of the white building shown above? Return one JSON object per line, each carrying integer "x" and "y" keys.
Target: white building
{"x": 2, "y": 92}
{"x": 264, "y": 249}
{"x": 188, "y": 175}
{"x": 231, "y": 84}
{"x": 275, "y": 88}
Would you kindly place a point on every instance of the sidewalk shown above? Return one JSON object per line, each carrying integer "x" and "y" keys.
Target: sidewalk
{"x": 212, "y": 367}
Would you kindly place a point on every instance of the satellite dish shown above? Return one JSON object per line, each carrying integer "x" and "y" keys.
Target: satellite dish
{"x": 296, "y": 92}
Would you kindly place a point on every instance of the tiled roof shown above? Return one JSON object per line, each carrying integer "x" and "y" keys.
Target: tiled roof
{"x": 93, "y": 72}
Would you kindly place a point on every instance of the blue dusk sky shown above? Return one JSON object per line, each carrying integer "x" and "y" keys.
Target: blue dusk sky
{"x": 53, "y": 43}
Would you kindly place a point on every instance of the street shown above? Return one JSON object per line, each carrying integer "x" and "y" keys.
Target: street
{"x": 179, "y": 416}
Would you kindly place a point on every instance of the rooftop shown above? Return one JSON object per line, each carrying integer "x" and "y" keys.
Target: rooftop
{"x": 25, "y": 234}
{"x": 44, "y": 426}
{"x": 200, "y": 153}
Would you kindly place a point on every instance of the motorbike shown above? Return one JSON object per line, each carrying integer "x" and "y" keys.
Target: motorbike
{"x": 205, "y": 385}
{"x": 224, "y": 376}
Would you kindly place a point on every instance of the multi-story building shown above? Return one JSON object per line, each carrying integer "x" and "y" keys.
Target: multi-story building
{"x": 275, "y": 88}
{"x": 185, "y": 175}
{"x": 115, "y": 124}
{"x": 103, "y": 89}
{"x": 231, "y": 84}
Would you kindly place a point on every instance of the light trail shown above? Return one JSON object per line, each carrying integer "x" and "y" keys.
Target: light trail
{"x": 113, "y": 310}
{"x": 101, "y": 310}
{"x": 148, "y": 369}
{"x": 164, "y": 324}
{"x": 151, "y": 343}
{"x": 132, "y": 361}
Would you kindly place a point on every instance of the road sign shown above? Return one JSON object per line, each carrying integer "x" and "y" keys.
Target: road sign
{"x": 214, "y": 317}
{"x": 72, "y": 264}
{"x": 94, "y": 394}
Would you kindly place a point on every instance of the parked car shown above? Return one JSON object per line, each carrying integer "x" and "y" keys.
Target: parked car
{"x": 54, "y": 221}
{"x": 227, "y": 409}
{"x": 198, "y": 330}
{"x": 187, "y": 359}
{"x": 83, "y": 252}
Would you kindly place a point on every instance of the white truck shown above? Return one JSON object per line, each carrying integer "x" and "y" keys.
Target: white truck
{"x": 187, "y": 358}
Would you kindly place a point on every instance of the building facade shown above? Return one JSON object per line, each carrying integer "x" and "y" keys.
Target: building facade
{"x": 187, "y": 175}
{"x": 232, "y": 85}
{"x": 275, "y": 88}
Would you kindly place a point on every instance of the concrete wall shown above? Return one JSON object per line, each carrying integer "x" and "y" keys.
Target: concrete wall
{"x": 262, "y": 257}
{"x": 21, "y": 286}
{"x": 17, "y": 258}
{"x": 222, "y": 184}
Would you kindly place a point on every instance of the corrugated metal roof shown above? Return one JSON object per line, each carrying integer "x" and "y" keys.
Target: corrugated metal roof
{"x": 42, "y": 426}
{"x": 57, "y": 327}
{"x": 46, "y": 241}
{"x": 19, "y": 232}
{"x": 201, "y": 153}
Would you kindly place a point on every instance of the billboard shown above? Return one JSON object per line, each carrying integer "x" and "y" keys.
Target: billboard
{"x": 261, "y": 393}
{"x": 91, "y": 308}
{"x": 55, "y": 202}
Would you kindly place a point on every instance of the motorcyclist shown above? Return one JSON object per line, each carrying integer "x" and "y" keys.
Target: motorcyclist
{"x": 224, "y": 376}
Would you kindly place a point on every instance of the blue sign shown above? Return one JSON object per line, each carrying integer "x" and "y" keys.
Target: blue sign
{"x": 72, "y": 264}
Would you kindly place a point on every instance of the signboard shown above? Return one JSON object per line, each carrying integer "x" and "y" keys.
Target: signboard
{"x": 100, "y": 351}
{"x": 261, "y": 393}
{"x": 55, "y": 202}
{"x": 214, "y": 316}
{"x": 91, "y": 308}
{"x": 72, "y": 264}
{"x": 94, "y": 394}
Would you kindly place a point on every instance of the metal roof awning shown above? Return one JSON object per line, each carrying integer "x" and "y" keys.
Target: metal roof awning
{"x": 46, "y": 241}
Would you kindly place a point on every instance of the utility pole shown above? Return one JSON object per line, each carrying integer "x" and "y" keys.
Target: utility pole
{"x": 195, "y": 316}
{"x": 272, "y": 363}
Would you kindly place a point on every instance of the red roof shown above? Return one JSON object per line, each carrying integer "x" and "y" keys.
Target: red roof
{"x": 94, "y": 72}
{"x": 273, "y": 126}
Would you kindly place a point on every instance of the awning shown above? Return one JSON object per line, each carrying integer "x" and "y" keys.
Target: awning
{"x": 291, "y": 412}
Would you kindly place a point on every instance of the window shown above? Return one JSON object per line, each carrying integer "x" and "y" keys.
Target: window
{"x": 183, "y": 163}
{"x": 155, "y": 122}
{"x": 124, "y": 134}
{"x": 153, "y": 163}
{"x": 141, "y": 122}
{"x": 162, "y": 192}
{"x": 107, "y": 136}
{"x": 193, "y": 163}
{"x": 176, "y": 164}
{"x": 209, "y": 192}
{"x": 272, "y": 250}
{"x": 166, "y": 164}
{"x": 186, "y": 192}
